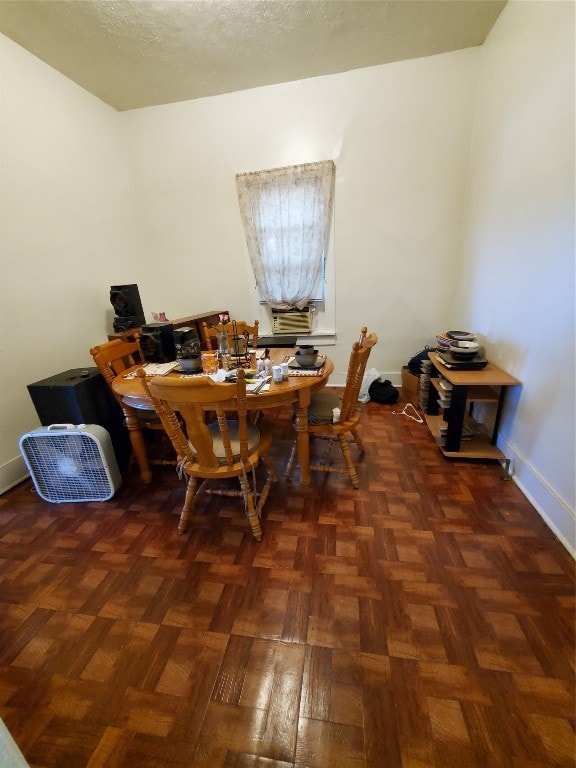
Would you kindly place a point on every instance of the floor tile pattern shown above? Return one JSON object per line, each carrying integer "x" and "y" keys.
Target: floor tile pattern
{"x": 424, "y": 620}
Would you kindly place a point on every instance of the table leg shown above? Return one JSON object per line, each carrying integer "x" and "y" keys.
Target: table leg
{"x": 456, "y": 418}
{"x": 303, "y": 436}
{"x": 137, "y": 442}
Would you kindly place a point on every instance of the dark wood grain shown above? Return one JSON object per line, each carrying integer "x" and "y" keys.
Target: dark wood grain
{"x": 425, "y": 619}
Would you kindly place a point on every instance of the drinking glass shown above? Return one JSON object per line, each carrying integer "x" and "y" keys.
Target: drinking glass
{"x": 209, "y": 362}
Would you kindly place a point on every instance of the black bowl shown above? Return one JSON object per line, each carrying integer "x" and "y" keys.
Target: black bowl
{"x": 307, "y": 357}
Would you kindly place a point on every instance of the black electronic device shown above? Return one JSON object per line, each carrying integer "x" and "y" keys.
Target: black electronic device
{"x": 475, "y": 363}
{"x": 81, "y": 396}
{"x": 127, "y": 307}
{"x": 276, "y": 341}
{"x": 186, "y": 342}
{"x": 157, "y": 342}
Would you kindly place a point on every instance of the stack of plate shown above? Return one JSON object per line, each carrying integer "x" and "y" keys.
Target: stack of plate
{"x": 460, "y": 349}
{"x": 461, "y": 336}
{"x": 464, "y": 350}
{"x": 461, "y": 344}
{"x": 443, "y": 342}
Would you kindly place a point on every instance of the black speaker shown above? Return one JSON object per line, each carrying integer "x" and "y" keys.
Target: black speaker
{"x": 81, "y": 396}
{"x": 186, "y": 342}
{"x": 157, "y": 342}
{"x": 127, "y": 307}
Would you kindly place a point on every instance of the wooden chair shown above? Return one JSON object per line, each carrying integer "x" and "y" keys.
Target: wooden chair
{"x": 225, "y": 448}
{"x": 233, "y": 328}
{"x": 320, "y": 413}
{"x": 112, "y": 358}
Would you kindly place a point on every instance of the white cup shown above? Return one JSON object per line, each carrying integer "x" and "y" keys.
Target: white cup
{"x": 277, "y": 373}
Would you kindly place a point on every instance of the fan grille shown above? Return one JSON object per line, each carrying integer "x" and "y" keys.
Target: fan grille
{"x": 68, "y": 466}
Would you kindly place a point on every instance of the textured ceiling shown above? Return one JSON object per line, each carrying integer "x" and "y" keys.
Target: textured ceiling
{"x": 139, "y": 53}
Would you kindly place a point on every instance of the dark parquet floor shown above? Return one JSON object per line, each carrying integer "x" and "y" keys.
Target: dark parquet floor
{"x": 425, "y": 620}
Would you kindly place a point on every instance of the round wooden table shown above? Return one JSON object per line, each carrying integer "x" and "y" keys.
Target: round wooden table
{"x": 298, "y": 390}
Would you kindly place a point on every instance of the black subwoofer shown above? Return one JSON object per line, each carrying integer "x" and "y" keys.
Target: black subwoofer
{"x": 81, "y": 396}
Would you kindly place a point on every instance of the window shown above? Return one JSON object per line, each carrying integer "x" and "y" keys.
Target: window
{"x": 286, "y": 216}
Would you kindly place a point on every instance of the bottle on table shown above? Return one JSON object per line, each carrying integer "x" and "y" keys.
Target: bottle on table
{"x": 267, "y": 361}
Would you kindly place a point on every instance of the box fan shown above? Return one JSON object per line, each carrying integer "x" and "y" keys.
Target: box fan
{"x": 71, "y": 463}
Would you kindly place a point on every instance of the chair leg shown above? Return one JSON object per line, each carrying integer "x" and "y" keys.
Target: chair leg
{"x": 271, "y": 478}
{"x": 251, "y": 512}
{"x": 270, "y": 468}
{"x": 254, "y": 417}
{"x": 358, "y": 440}
{"x": 348, "y": 459}
{"x": 291, "y": 461}
{"x": 188, "y": 504}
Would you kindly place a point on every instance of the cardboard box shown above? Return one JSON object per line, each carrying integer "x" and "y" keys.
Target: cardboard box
{"x": 410, "y": 386}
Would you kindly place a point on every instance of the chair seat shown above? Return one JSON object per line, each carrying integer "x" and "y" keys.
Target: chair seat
{"x": 322, "y": 404}
{"x": 321, "y": 413}
{"x": 233, "y": 427}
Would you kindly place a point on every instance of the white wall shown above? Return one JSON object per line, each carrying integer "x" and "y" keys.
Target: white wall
{"x": 69, "y": 231}
{"x": 517, "y": 285}
{"x": 399, "y": 135}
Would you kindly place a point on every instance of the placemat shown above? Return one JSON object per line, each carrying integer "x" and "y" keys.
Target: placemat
{"x": 306, "y": 371}
{"x": 294, "y": 365}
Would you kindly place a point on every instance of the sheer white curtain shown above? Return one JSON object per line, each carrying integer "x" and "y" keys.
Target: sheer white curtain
{"x": 286, "y": 215}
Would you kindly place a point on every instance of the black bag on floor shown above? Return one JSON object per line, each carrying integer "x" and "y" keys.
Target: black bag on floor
{"x": 383, "y": 392}
{"x": 415, "y": 363}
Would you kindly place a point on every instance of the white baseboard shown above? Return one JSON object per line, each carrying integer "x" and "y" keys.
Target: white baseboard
{"x": 10, "y": 754}
{"x": 338, "y": 378}
{"x": 12, "y": 473}
{"x": 555, "y": 512}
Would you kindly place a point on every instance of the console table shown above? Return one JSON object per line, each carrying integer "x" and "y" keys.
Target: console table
{"x": 448, "y": 423}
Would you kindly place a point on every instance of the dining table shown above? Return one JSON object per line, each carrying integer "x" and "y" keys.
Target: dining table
{"x": 296, "y": 390}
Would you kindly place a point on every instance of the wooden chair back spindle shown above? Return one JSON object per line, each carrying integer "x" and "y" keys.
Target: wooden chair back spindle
{"x": 356, "y": 368}
{"x": 237, "y": 327}
{"x": 116, "y": 356}
{"x": 112, "y": 359}
{"x": 227, "y": 447}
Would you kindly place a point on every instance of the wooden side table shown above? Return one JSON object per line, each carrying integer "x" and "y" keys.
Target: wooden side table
{"x": 447, "y": 424}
